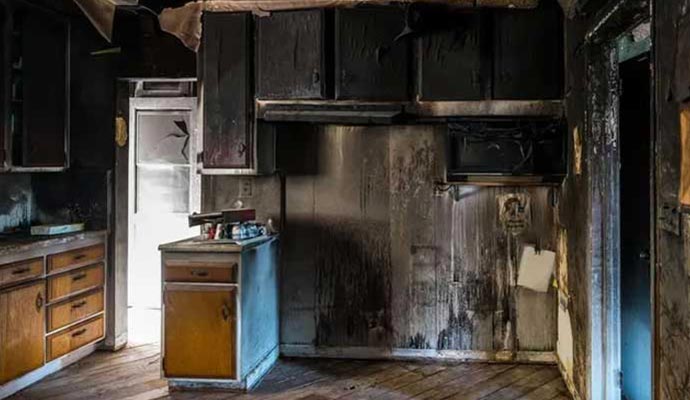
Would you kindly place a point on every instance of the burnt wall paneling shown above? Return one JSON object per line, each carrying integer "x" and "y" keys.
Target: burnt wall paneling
{"x": 528, "y": 61}
{"x": 673, "y": 251}
{"x": 227, "y": 94}
{"x": 92, "y": 94}
{"x": 372, "y": 61}
{"x": 374, "y": 256}
{"x": 291, "y": 54}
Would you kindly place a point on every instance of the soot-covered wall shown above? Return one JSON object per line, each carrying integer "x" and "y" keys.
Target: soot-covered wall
{"x": 672, "y": 46}
{"x": 376, "y": 255}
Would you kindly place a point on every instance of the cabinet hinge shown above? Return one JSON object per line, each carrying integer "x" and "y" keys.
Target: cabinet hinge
{"x": 620, "y": 379}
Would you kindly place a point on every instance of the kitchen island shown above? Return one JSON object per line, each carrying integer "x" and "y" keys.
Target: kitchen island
{"x": 220, "y": 313}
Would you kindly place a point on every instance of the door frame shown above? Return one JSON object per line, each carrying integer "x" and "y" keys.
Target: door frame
{"x": 127, "y": 90}
{"x": 603, "y": 120}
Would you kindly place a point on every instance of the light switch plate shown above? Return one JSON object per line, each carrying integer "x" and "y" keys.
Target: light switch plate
{"x": 246, "y": 188}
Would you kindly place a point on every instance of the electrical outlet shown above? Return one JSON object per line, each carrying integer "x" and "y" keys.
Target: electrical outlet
{"x": 246, "y": 188}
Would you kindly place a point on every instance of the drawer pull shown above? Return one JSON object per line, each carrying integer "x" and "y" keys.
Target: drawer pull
{"x": 78, "y": 277}
{"x": 79, "y": 305}
{"x": 200, "y": 274}
{"x": 39, "y": 302}
{"x": 79, "y": 257}
{"x": 79, "y": 332}
{"x": 226, "y": 312}
{"x": 21, "y": 271}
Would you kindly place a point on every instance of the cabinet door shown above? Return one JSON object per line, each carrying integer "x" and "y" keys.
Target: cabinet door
{"x": 455, "y": 60}
{"x": 291, "y": 55}
{"x": 22, "y": 330}
{"x": 200, "y": 332}
{"x": 371, "y": 61}
{"x": 44, "y": 80}
{"x": 528, "y": 45}
{"x": 227, "y": 94}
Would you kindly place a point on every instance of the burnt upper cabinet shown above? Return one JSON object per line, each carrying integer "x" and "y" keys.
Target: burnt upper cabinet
{"x": 292, "y": 55}
{"x": 454, "y": 55}
{"x": 372, "y": 57}
{"x": 226, "y": 75}
{"x": 528, "y": 53}
{"x": 35, "y": 87}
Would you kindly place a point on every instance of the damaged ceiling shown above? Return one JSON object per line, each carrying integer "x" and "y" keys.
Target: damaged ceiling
{"x": 185, "y": 22}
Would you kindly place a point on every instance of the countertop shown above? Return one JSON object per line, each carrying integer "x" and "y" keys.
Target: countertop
{"x": 21, "y": 242}
{"x": 195, "y": 245}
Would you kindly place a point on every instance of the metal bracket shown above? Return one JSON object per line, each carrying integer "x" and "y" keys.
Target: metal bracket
{"x": 669, "y": 218}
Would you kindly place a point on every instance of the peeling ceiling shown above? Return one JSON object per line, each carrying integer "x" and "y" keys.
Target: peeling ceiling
{"x": 185, "y": 22}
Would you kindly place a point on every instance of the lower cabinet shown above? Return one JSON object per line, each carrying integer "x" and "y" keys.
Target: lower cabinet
{"x": 200, "y": 335}
{"x": 22, "y": 316}
{"x": 52, "y": 307}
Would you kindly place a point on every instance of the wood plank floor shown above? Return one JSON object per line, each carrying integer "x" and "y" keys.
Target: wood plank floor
{"x": 133, "y": 374}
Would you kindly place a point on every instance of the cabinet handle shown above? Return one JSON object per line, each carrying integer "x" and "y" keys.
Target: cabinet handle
{"x": 79, "y": 304}
{"x": 39, "y": 302}
{"x": 78, "y": 277}
{"x": 79, "y": 257}
{"x": 200, "y": 274}
{"x": 79, "y": 332}
{"x": 21, "y": 271}
{"x": 226, "y": 312}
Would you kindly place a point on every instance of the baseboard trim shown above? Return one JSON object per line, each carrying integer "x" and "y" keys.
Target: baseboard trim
{"x": 250, "y": 381}
{"x": 372, "y": 353}
{"x": 32, "y": 377}
{"x": 569, "y": 384}
{"x": 255, "y": 376}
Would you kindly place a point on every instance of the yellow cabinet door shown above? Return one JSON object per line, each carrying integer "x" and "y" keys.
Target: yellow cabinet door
{"x": 22, "y": 330}
{"x": 200, "y": 332}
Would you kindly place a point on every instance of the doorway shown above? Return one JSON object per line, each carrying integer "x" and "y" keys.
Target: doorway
{"x": 164, "y": 189}
{"x": 635, "y": 227}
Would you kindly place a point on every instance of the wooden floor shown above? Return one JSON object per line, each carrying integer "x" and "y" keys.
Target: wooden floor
{"x": 133, "y": 374}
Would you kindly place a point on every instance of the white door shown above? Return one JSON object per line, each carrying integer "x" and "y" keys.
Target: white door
{"x": 164, "y": 188}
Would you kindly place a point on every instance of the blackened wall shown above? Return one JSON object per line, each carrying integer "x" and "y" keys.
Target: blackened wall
{"x": 376, "y": 255}
{"x": 672, "y": 45}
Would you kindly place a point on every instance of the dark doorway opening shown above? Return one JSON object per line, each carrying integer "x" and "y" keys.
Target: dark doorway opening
{"x": 635, "y": 221}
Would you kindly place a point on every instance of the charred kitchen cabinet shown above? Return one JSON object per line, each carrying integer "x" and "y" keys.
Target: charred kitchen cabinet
{"x": 372, "y": 55}
{"x": 528, "y": 53}
{"x": 454, "y": 55}
{"x": 35, "y": 87}
{"x": 226, "y": 74}
{"x": 292, "y": 55}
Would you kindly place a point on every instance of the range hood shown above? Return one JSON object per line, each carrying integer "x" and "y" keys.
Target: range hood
{"x": 516, "y": 151}
{"x": 388, "y": 113}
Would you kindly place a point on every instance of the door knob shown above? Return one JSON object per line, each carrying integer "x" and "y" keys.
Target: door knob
{"x": 644, "y": 255}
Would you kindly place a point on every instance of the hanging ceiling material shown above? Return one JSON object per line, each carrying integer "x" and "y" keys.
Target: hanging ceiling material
{"x": 185, "y": 22}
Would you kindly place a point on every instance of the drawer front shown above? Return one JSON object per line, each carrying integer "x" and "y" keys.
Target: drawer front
{"x": 75, "y": 258}
{"x": 79, "y": 280}
{"x": 200, "y": 271}
{"x": 21, "y": 271}
{"x": 73, "y": 338}
{"x": 75, "y": 309}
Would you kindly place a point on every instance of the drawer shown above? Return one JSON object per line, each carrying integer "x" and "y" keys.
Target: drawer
{"x": 76, "y": 258}
{"x": 201, "y": 271}
{"x": 75, "y": 337}
{"x": 79, "y": 280}
{"x": 21, "y": 271}
{"x": 75, "y": 309}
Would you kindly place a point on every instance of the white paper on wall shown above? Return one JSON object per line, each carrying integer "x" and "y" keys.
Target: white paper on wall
{"x": 536, "y": 269}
